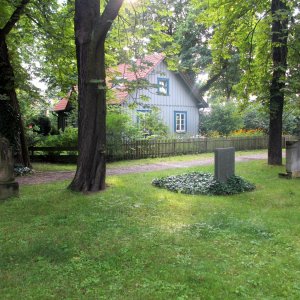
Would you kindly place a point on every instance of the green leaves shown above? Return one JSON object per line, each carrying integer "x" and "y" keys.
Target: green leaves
{"x": 203, "y": 183}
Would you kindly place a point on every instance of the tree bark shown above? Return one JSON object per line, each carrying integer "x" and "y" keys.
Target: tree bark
{"x": 90, "y": 32}
{"x": 279, "y": 54}
{"x": 11, "y": 123}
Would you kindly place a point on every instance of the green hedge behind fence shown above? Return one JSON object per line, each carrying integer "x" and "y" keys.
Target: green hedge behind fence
{"x": 155, "y": 148}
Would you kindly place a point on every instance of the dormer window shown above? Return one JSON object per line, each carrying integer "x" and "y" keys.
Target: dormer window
{"x": 163, "y": 86}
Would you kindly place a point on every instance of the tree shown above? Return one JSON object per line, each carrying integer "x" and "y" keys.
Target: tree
{"x": 258, "y": 32}
{"x": 11, "y": 123}
{"x": 223, "y": 118}
{"x": 279, "y": 31}
{"x": 91, "y": 28}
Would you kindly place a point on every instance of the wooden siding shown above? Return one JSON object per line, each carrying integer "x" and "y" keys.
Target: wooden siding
{"x": 179, "y": 98}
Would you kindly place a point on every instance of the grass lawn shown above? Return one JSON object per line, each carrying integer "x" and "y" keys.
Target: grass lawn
{"x": 146, "y": 161}
{"x": 135, "y": 241}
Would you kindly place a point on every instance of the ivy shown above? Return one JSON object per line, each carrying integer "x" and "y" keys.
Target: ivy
{"x": 203, "y": 183}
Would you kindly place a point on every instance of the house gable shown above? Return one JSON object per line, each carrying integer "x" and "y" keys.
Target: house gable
{"x": 172, "y": 96}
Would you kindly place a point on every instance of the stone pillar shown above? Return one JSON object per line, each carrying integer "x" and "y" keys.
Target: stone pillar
{"x": 224, "y": 163}
{"x": 8, "y": 186}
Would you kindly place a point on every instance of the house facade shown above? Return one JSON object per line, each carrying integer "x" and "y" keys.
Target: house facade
{"x": 171, "y": 93}
{"x": 157, "y": 88}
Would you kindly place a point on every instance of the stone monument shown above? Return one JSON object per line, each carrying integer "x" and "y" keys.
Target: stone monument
{"x": 8, "y": 186}
{"x": 224, "y": 163}
{"x": 292, "y": 160}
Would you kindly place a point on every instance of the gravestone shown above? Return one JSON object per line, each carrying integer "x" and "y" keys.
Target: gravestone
{"x": 292, "y": 160}
{"x": 224, "y": 163}
{"x": 8, "y": 186}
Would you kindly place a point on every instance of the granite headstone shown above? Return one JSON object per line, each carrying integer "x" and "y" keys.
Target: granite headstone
{"x": 224, "y": 163}
{"x": 8, "y": 186}
{"x": 293, "y": 158}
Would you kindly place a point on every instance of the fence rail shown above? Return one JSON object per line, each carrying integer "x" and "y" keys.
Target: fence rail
{"x": 155, "y": 148}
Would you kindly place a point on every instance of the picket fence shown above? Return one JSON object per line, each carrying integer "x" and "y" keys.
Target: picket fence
{"x": 155, "y": 148}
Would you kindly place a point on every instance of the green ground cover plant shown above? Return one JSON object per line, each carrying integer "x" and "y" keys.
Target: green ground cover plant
{"x": 134, "y": 241}
{"x": 196, "y": 183}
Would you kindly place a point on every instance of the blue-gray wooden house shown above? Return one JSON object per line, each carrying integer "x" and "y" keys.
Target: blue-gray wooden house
{"x": 172, "y": 93}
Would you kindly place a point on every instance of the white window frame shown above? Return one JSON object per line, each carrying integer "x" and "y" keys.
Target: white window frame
{"x": 181, "y": 122}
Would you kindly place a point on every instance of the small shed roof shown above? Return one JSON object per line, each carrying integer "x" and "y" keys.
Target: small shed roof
{"x": 61, "y": 105}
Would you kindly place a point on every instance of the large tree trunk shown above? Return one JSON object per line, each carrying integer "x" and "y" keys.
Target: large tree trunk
{"x": 90, "y": 32}
{"x": 279, "y": 52}
{"x": 11, "y": 124}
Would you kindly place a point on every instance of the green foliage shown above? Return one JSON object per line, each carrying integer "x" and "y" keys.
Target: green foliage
{"x": 67, "y": 138}
{"x": 203, "y": 183}
{"x": 241, "y": 32}
{"x": 119, "y": 126}
{"x": 151, "y": 126}
{"x": 41, "y": 124}
{"x": 223, "y": 118}
{"x": 257, "y": 118}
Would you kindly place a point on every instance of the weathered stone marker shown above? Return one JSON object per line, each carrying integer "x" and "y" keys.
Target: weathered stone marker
{"x": 292, "y": 160}
{"x": 224, "y": 163}
{"x": 8, "y": 186}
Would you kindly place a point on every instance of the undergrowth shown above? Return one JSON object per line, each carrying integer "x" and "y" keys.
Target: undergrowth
{"x": 203, "y": 183}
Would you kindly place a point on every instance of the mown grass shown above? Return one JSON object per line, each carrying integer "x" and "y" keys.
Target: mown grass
{"x": 135, "y": 241}
{"x": 145, "y": 161}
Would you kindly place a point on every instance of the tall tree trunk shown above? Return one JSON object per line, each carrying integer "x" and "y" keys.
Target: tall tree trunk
{"x": 11, "y": 124}
{"x": 90, "y": 32}
{"x": 279, "y": 54}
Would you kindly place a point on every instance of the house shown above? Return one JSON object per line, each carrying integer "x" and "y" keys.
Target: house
{"x": 64, "y": 108}
{"x": 172, "y": 93}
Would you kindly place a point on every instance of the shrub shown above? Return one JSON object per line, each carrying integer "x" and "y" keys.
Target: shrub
{"x": 151, "y": 126}
{"x": 67, "y": 138}
{"x": 247, "y": 132}
{"x": 203, "y": 183}
{"x": 222, "y": 119}
{"x": 40, "y": 124}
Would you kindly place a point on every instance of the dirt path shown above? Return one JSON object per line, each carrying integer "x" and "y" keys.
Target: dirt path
{"x": 45, "y": 177}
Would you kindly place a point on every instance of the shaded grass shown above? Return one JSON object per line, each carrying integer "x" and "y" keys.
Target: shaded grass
{"x": 134, "y": 241}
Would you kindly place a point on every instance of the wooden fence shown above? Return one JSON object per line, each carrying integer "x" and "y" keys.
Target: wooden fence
{"x": 155, "y": 148}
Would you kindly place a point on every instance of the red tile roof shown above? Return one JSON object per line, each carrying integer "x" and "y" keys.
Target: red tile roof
{"x": 61, "y": 105}
{"x": 144, "y": 67}
{"x": 126, "y": 71}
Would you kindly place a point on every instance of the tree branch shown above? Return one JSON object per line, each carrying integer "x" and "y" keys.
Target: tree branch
{"x": 212, "y": 80}
{"x": 15, "y": 17}
{"x": 105, "y": 21}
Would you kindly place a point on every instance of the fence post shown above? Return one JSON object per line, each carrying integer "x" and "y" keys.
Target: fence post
{"x": 174, "y": 147}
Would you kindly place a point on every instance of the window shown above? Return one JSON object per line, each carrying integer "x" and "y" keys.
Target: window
{"x": 180, "y": 121}
{"x": 163, "y": 86}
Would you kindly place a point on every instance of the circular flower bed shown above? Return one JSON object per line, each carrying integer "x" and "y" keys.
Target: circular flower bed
{"x": 203, "y": 183}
